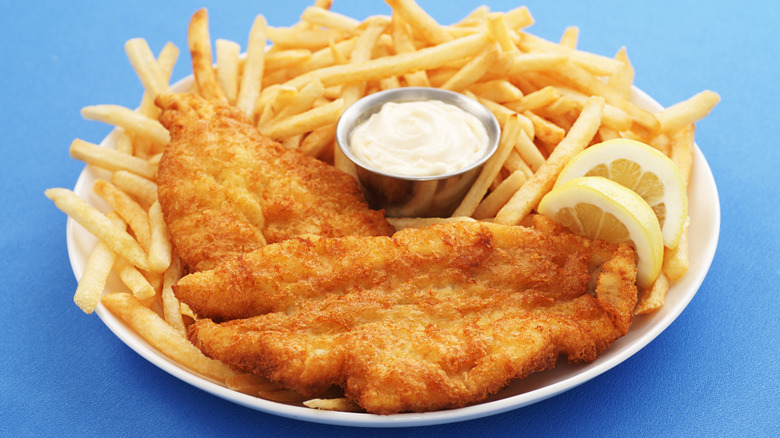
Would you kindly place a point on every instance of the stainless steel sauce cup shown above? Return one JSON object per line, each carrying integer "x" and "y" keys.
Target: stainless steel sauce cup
{"x": 415, "y": 196}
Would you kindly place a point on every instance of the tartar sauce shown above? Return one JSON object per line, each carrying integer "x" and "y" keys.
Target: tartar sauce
{"x": 426, "y": 138}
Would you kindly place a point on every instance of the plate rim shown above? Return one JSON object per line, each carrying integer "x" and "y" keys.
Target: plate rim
{"x": 590, "y": 371}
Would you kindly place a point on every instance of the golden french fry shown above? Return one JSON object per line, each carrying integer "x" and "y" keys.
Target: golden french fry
{"x": 677, "y": 260}
{"x": 304, "y": 100}
{"x": 252, "y": 76}
{"x": 142, "y": 189}
{"x": 688, "y": 111}
{"x": 340, "y": 404}
{"x": 129, "y": 210}
{"x": 518, "y": 18}
{"x": 171, "y": 305}
{"x": 283, "y": 59}
{"x": 96, "y": 271}
{"x": 323, "y": 17}
{"x": 146, "y": 67}
{"x": 306, "y": 121}
{"x": 228, "y": 68}
{"x": 98, "y": 225}
{"x": 403, "y": 42}
{"x": 397, "y": 65}
{"x": 130, "y": 120}
{"x": 528, "y": 150}
{"x": 497, "y": 90}
{"x": 499, "y": 197}
{"x": 515, "y": 163}
{"x": 570, "y": 36}
{"x": 652, "y": 298}
{"x": 473, "y": 70}
{"x": 199, "y": 43}
{"x": 165, "y": 62}
{"x": 624, "y": 78}
{"x": 596, "y": 65}
{"x": 110, "y": 159}
{"x": 160, "y": 247}
{"x": 308, "y": 38}
{"x": 538, "y": 99}
{"x": 682, "y": 151}
{"x": 422, "y": 24}
{"x": 490, "y": 169}
{"x": 577, "y": 139}
{"x": 498, "y": 30}
{"x": 134, "y": 280}
{"x": 162, "y": 336}
{"x": 318, "y": 140}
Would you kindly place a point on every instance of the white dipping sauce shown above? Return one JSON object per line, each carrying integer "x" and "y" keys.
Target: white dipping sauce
{"x": 426, "y": 138}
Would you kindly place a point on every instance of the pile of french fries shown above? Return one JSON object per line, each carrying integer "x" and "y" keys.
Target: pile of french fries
{"x": 551, "y": 100}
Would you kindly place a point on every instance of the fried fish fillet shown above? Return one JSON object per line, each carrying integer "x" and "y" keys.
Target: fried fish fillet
{"x": 431, "y": 318}
{"x": 225, "y": 189}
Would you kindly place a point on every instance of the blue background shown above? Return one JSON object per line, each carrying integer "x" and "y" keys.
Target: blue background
{"x": 713, "y": 372}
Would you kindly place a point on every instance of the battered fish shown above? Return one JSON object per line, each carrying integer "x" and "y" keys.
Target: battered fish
{"x": 429, "y": 319}
{"x": 226, "y": 190}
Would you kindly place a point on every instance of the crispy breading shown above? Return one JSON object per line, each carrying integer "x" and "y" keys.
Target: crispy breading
{"x": 227, "y": 190}
{"x": 431, "y": 318}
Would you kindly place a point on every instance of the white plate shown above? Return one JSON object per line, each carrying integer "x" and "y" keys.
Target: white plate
{"x": 704, "y": 211}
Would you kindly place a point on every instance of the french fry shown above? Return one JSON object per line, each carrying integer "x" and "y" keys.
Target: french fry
{"x": 518, "y": 18}
{"x": 306, "y": 121}
{"x": 624, "y": 78}
{"x": 162, "y": 336}
{"x": 677, "y": 260}
{"x": 130, "y": 120}
{"x": 570, "y": 36}
{"x": 473, "y": 70}
{"x": 682, "y": 151}
{"x": 303, "y": 101}
{"x": 538, "y": 99}
{"x": 146, "y": 67}
{"x": 499, "y": 196}
{"x": 688, "y": 111}
{"x": 160, "y": 246}
{"x": 128, "y": 209}
{"x": 652, "y": 298}
{"x": 498, "y": 30}
{"x": 576, "y": 140}
{"x": 423, "y": 24}
{"x": 403, "y": 42}
{"x": 283, "y": 59}
{"x": 397, "y": 65}
{"x": 490, "y": 169}
{"x": 228, "y": 68}
{"x": 309, "y": 38}
{"x": 340, "y": 404}
{"x": 144, "y": 190}
{"x": 171, "y": 305}
{"x": 96, "y": 271}
{"x": 165, "y": 62}
{"x": 514, "y": 163}
{"x": 497, "y": 90}
{"x": 110, "y": 159}
{"x": 252, "y": 76}
{"x": 134, "y": 280}
{"x": 318, "y": 140}
{"x": 528, "y": 151}
{"x": 98, "y": 225}
{"x": 199, "y": 43}
{"x": 323, "y": 17}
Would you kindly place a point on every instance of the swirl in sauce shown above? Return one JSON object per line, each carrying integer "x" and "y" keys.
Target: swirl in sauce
{"x": 426, "y": 138}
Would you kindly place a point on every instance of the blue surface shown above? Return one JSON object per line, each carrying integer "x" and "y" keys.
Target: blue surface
{"x": 713, "y": 372}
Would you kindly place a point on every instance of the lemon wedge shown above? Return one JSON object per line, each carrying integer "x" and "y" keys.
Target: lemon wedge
{"x": 599, "y": 208}
{"x": 643, "y": 169}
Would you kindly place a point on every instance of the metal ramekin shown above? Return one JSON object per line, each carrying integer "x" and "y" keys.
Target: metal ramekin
{"x": 414, "y": 196}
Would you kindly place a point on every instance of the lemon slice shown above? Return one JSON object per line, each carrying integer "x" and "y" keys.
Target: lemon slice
{"x": 599, "y": 208}
{"x": 642, "y": 169}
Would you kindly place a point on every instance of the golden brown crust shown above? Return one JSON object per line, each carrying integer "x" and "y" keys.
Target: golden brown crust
{"x": 227, "y": 190}
{"x": 429, "y": 319}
